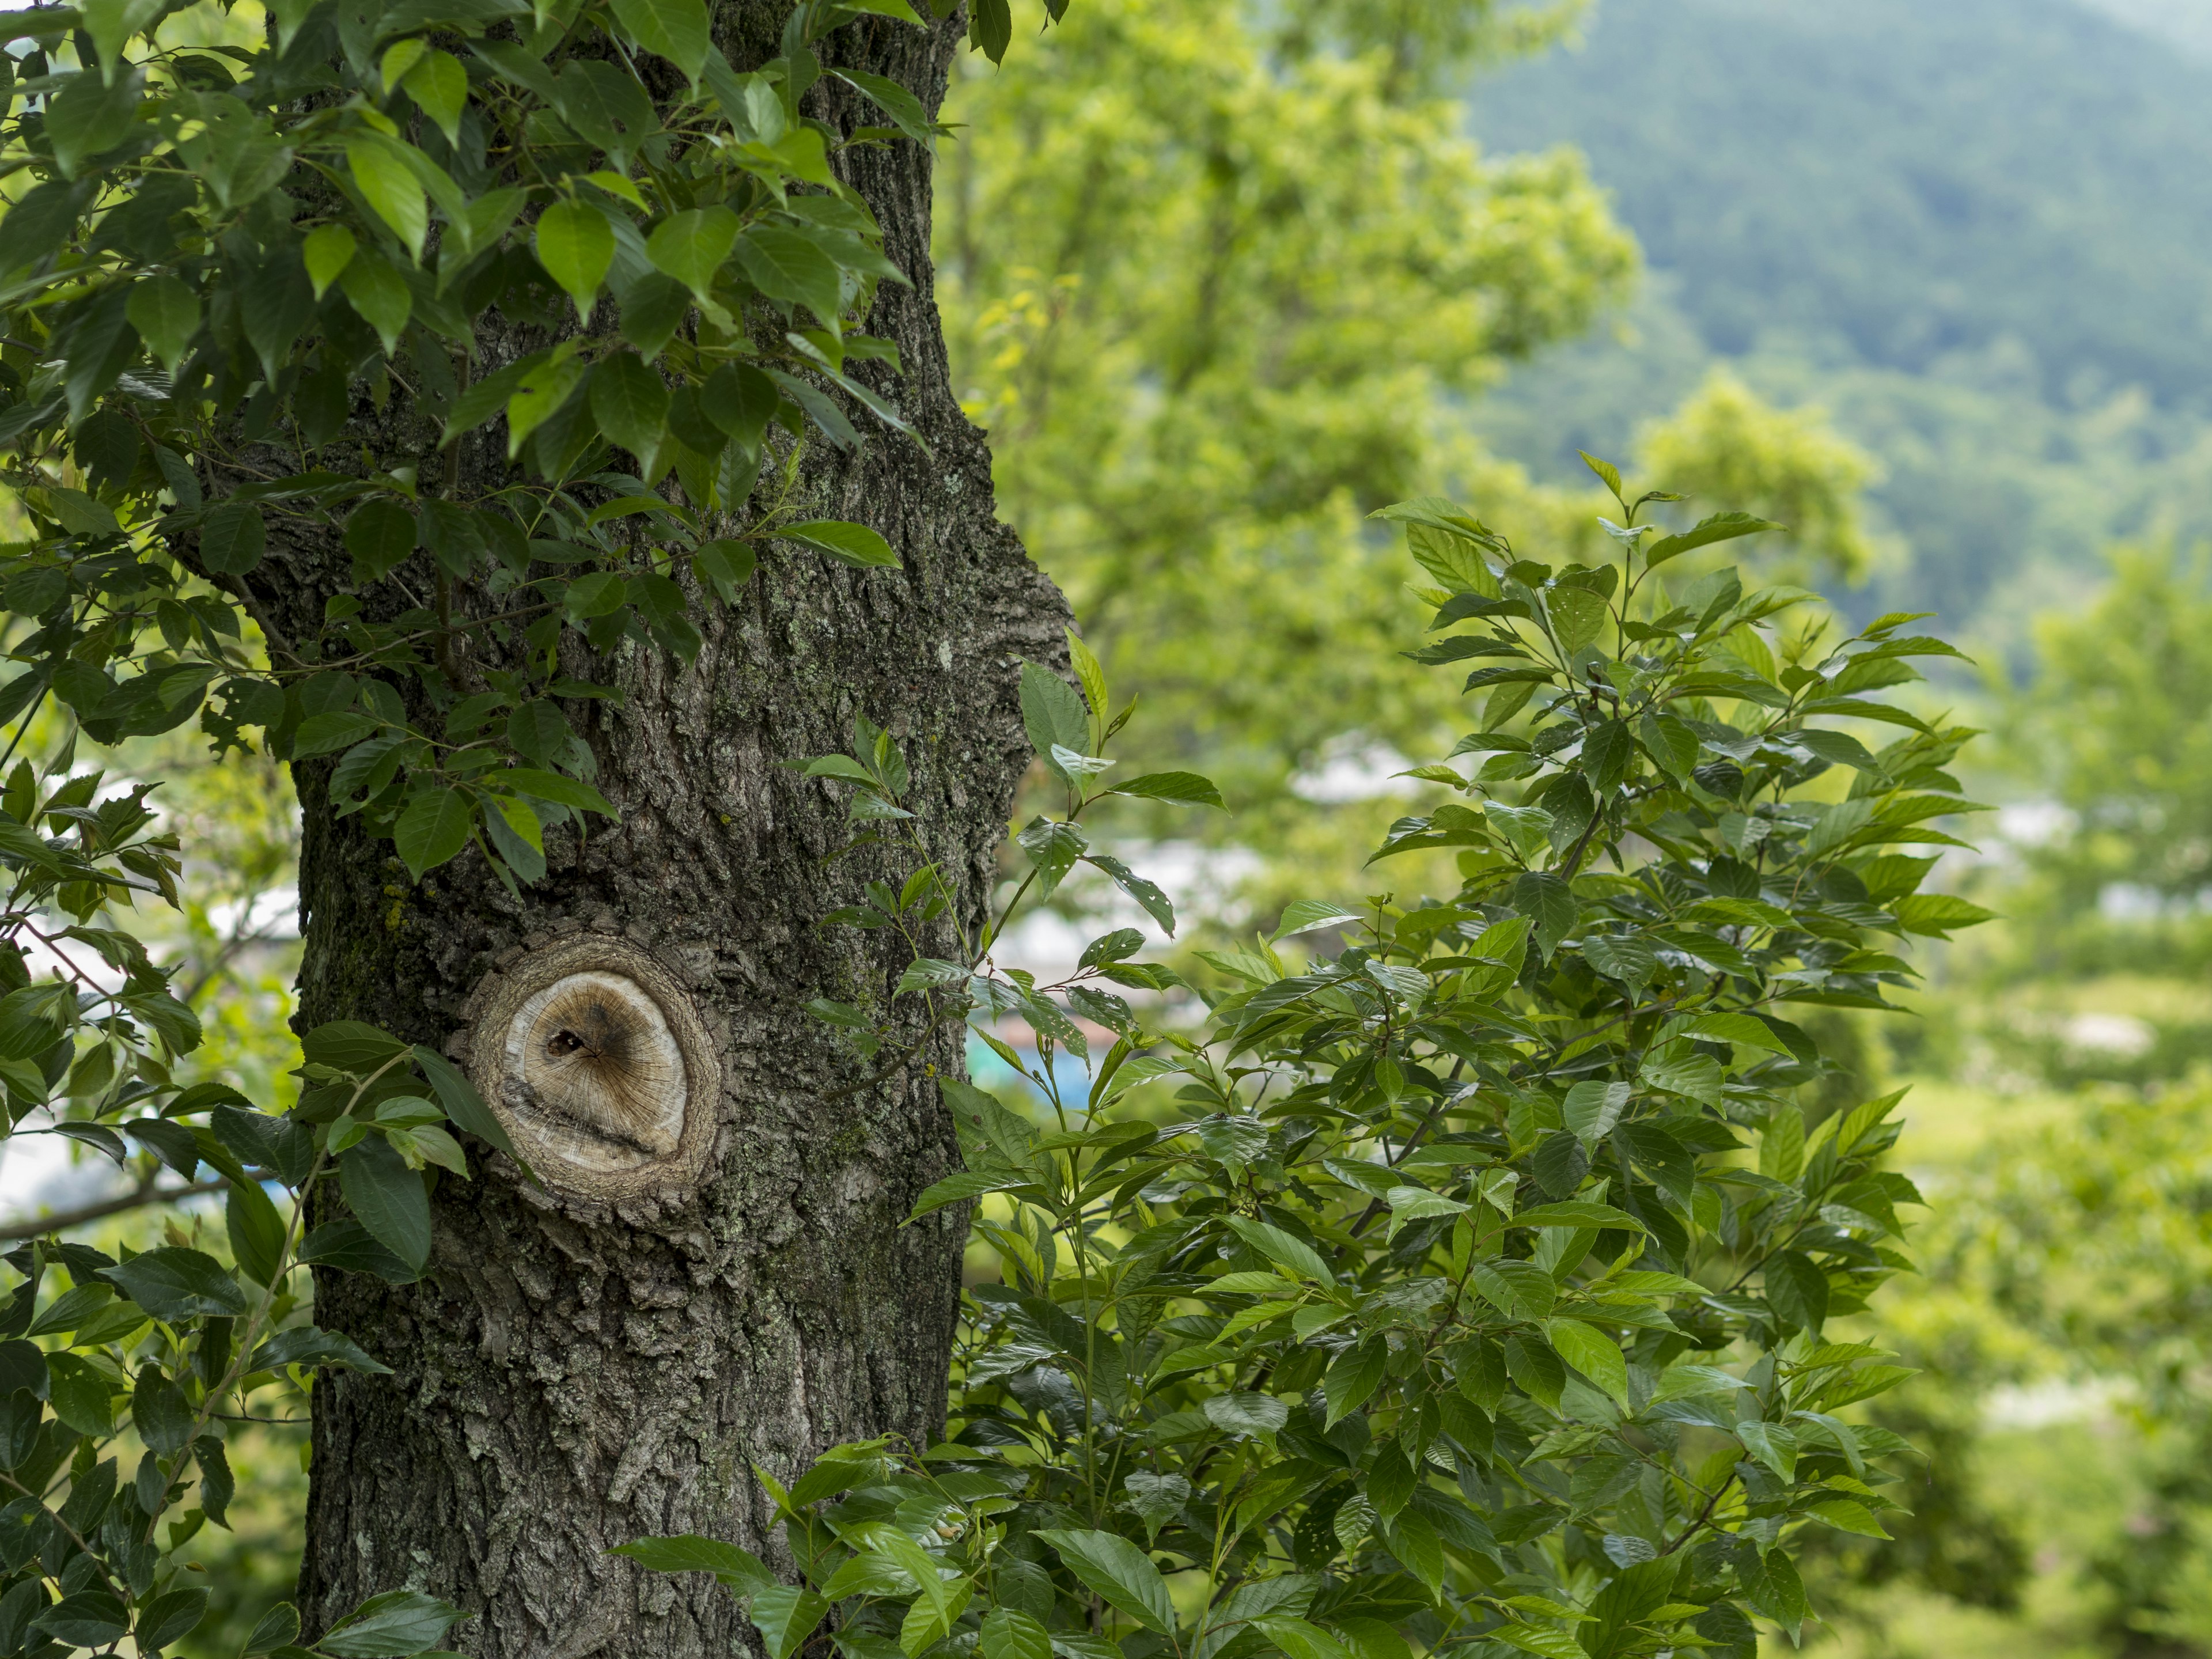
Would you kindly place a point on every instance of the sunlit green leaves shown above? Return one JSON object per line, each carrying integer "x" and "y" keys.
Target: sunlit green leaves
{"x": 676, "y": 29}
{"x": 691, "y": 247}
{"x": 375, "y": 289}
{"x": 575, "y": 244}
{"x": 391, "y": 188}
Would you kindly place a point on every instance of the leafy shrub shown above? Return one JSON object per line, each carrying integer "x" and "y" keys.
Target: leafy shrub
{"x": 1466, "y": 1285}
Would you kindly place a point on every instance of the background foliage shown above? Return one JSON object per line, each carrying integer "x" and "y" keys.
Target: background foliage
{"x": 1505, "y": 1420}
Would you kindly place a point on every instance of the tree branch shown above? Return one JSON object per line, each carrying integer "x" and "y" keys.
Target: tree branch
{"x": 145, "y": 1193}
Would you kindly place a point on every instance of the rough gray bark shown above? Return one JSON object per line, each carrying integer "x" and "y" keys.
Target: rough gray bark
{"x": 567, "y": 1380}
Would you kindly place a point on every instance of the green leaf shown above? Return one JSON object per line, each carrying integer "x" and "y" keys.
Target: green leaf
{"x": 964, "y": 1184}
{"x": 1593, "y": 1108}
{"x": 539, "y": 395}
{"x": 390, "y": 187}
{"x": 257, "y": 1231}
{"x": 1300, "y": 1640}
{"x": 233, "y": 537}
{"x": 440, "y": 87}
{"x": 392, "y": 1626}
{"x": 1007, "y": 1634}
{"x": 1935, "y": 913}
{"x": 1627, "y": 957}
{"x": 629, "y": 402}
{"x": 434, "y": 828}
{"x": 166, "y": 314}
{"x": 87, "y": 1618}
{"x": 1353, "y": 1377}
{"x": 1305, "y": 915}
{"x": 1053, "y": 716}
{"x": 174, "y": 1283}
{"x": 350, "y": 1045}
{"x": 1593, "y": 1354}
{"x": 575, "y": 244}
{"x": 81, "y": 1395}
{"x": 552, "y": 786}
{"x": 1118, "y": 1572}
{"x": 786, "y": 1617}
{"x": 1678, "y": 1070}
{"x": 379, "y": 534}
{"x": 170, "y": 1617}
{"x": 1147, "y": 894}
{"x": 159, "y": 1412}
{"x": 1730, "y": 1027}
{"x": 788, "y": 266}
{"x": 991, "y": 28}
{"x": 1720, "y": 528}
{"x": 303, "y": 1345}
{"x": 739, "y": 1569}
{"x": 1184, "y": 788}
{"x": 905, "y": 109}
{"x": 1549, "y": 904}
{"x": 87, "y": 117}
{"x": 1542, "y": 1640}
{"x": 675, "y": 29}
{"x": 896, "y": 9}
{"x": 1577, "y": 616}
{"x": 464, "y": 1105}
{"x": 1278, "y": 1246}
{"x": 346, "y": 1246}
{"x": 1412, "y": 1204}
{"x": 1578, "y": 1213}
{"x": 110, "y": 23}
{"x": 373, "y": 286}
{"x": 389, "y": 1200}
{"x": 1848, "y": 1515}
{"x": 692, "y": 245}
{"x": 852, "y": 543}
{"x": 275, "y": 1629}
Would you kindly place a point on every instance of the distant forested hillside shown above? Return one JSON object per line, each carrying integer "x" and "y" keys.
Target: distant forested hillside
{"x": 1979, "y": 231}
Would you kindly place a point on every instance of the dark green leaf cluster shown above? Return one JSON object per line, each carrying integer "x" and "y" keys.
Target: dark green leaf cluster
{"x": 170, "y": 1344}
{"x": 1468, "y": 1286}
{"x": 227, "y": 259}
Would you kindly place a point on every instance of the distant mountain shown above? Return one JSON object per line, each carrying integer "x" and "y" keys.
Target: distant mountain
{"x": 1903, "y": 179}
{"x": 1979, "y": 231}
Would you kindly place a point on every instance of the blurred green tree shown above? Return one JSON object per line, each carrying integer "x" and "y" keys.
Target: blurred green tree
{"x": 1214, "y": 278}
{"x": 1727, "y": 443}
{"x": 2113, "y": 730}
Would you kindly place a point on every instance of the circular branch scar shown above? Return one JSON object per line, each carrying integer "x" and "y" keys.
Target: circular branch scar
{"x": 591, "y": 1058}
{"x": 595, "y": 1060}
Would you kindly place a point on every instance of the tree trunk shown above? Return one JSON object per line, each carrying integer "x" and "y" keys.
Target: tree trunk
{"x": 573, "y": 1374}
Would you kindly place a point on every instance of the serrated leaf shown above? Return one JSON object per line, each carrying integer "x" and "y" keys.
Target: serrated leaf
{"x": 674, "y": 29}
{"x": 576, "y": 246}
{"x": 433, "y": 828}
{"x": 1117, "y": 1571}
{"x": 849, "y": 544}
{"x": 1182, "y": 788}
{"x": 388, "y": 1198}
{"x": 174, "y": 1283}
